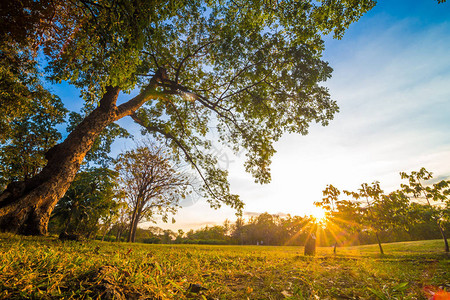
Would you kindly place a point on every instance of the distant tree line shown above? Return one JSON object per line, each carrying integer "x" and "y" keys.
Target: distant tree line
{"x": 268, "y": 229}
{"x": 366, "y": 216}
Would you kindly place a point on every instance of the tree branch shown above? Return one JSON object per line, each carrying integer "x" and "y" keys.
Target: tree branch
{"x": 177, "y": 74}
{"x": 170, "y": 136}
{"x": 148, "y": 93}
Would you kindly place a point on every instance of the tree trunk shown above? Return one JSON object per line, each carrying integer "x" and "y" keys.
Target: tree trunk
{"x": 138, "y": 218}
{"x": 25, "y": 207}
{"x": 133, "y": 235}
{"x": 444, "y": 237}
{"x": 379, "y": 243}
{"x": 132, "y": 225}
{"x": 135, "y": 218}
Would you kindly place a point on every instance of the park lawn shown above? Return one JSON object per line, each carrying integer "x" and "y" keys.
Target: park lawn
{"x": 46, "y": 268}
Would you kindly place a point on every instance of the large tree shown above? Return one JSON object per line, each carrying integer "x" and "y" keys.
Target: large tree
{"x": 251, "y": 69}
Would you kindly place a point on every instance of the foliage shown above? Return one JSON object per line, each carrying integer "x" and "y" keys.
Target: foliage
{"x": 330, "y": 197}
{"x": 44, "y": 268}
{"x": 25, "y": 27}
{"x": 437, "y": 192}
{"x": 91, "y": 197}
{"x": 28, "y": 137}
{"x": 113, "y": 216}
{"x": 393, "y": 210}
{"x": 28, "y": 111}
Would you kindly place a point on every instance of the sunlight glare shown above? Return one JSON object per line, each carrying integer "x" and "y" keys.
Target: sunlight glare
{"x": 318, "y": 213}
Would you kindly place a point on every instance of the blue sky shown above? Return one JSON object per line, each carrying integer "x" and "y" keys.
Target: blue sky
{"x": 391, "y": 80}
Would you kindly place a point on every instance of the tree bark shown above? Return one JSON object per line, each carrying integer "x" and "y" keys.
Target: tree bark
{"x": 25, "y": 207}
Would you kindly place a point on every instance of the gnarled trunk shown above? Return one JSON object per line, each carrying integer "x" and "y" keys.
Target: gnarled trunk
{"x": 25, "y": 207}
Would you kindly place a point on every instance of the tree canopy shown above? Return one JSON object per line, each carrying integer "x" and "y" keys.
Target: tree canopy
{"x": 248, "y": 70}
{"x": 252, "y": 69}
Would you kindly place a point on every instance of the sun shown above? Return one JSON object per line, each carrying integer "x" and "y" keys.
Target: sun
{"x": 318, "y": 213}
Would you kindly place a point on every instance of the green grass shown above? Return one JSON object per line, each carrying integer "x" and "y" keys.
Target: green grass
{"x": 47, "y": 268}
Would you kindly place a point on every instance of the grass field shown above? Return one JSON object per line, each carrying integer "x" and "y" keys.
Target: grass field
{"x": 46, "y": 268}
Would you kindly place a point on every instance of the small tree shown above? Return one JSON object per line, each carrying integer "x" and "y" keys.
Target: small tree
{"x": 348, "y": 217}
{"x": 90, "y": 197}
{"x": 328, "y": 203}
{"x": 112, "y": 216}
{"x": 436, "y": 192}
{"x": 372, "y": 196}
{"x": 152, "y": 184}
